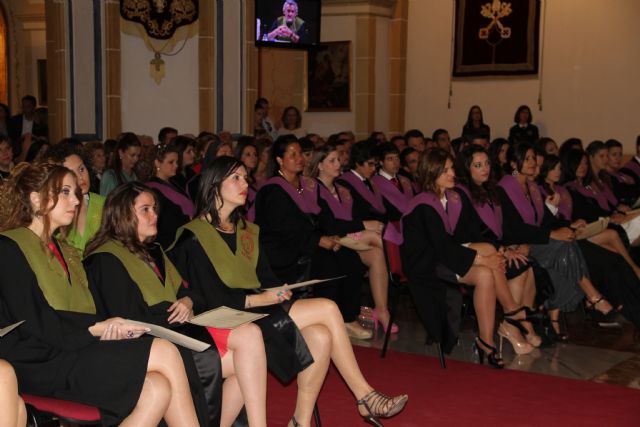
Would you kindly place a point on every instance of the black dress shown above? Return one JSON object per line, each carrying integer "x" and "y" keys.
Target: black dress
{"x": 626, "y": 189}
{"x": 287, "y": 353}
{"x": 53, "y": 352}
{"x": 426, "y": 244}
{"x": 117, "y": 295}
{"x": 170, "y": 216}
{"x": 290, "y": 239}
{"x": 528, "y": 134}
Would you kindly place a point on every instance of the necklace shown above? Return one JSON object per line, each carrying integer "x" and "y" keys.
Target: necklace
{"x": 226, "y": 228}
{"x": 299, "y": 188}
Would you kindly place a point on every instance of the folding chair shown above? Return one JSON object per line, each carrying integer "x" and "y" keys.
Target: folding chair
{"x": 42, "y": 410}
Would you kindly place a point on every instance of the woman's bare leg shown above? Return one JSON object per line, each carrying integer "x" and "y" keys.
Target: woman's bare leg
{"x": 12, "y": 411}
{"x": 593, "y": 295}
{"x": 379, "y": 281}
{"x": 609, "y": 239}
{"x": 166, "y": 360}
{"x": 484, "y": 300}
{"x": 321, "y": 311}
{"x": 152, "y": 403}
{"x": 310, "y": 380}
{"x": 246, "y": 363}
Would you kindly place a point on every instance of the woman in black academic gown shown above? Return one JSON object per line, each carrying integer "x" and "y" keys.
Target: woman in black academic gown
{"x": 62, "y": 350}
{"x": 336, "y": 218}
{"x": 220, "y": 255}
{"x": 297, "y": 247}
{"x": 145, "y": 286}
{"x": 12, "y": 410}
{"x": 625, "y": 187}
{"x": 551, "y": 243}
{"x": 481, "y": 221}
{"x": 587, "y": 181}
{"x": 175, "y": 208}
{"x": 428, "y": 229}
{"x": 611, "y": 268}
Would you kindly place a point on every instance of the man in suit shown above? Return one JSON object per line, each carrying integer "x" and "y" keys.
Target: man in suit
{"x": 22, "y": 124}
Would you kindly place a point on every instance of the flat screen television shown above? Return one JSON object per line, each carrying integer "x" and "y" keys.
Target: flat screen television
{"x": 287, "y": 23}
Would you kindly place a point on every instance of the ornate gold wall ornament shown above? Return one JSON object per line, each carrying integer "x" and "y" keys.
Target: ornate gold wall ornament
{"x": 495, "y": 11}
{"x": 160, "y": 18}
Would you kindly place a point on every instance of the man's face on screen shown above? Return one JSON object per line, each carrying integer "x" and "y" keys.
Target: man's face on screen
{"x": 290, "y": 12}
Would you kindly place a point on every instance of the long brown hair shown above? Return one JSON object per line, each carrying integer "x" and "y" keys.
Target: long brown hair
{"x": 119, "y": 221}
{"x": 430, "y": 167}
{"x": 45, "y": 179}
{"x": 318, "y": 156}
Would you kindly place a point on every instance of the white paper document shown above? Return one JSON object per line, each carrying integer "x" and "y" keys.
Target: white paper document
{"x": 302, "y": 284}
{"x": 173, "y": 336}
{"x": 4, "y": 331}
{"x": 592, "y": 228}
{"x": 225, "y": 318}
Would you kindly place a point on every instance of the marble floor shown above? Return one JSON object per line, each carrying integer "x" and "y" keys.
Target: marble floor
{"x": 603, "y": 355}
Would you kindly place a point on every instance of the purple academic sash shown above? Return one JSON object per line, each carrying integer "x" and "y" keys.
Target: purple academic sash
{"x": 623, "y": 178}
{"x": 449, "y": 217}
{"x": 399, "y": 199}
{"x": 373, "y": 198}
{"x": 341, "y": 208}
{"x": 606, "y": 200}
{"x": 491, "y": 216}
{"x": 186, "y": 205}
{"x": 307, "y": 201}
{"x": 633, "y": 166}
{"x": 251, "y": 199}
{"x": 565, "y": 207}
{"x": 512, "y": 187}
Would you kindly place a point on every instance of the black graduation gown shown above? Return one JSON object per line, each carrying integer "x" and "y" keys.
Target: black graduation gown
{"x": 426, "y": 243}
{"x": 333, "y": 226}
{"x": 362, "y": 209}
{"x": 471, "y": 229}
{"x": 53, "y": 352}
{"x": 290, "y": 239}
{"x": 287, "y": 353}
{"x": 117, "y": 295}
{"x": 587, "y": 208}
{"x": 170, "y": 216}
{"x": 626, "y": 192}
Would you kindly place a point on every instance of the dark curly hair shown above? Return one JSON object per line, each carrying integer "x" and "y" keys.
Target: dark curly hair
{"x": 486, "y": 192}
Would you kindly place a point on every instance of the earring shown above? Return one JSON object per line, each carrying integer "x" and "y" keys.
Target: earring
{"x": 158, "y": 169}
{"x": 515, "y": 173}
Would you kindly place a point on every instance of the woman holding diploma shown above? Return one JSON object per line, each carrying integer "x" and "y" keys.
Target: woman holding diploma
{"x": 63, "y": 350}
{"x": 219, "y": 255}
{"x": 12, "y": 410}
{"x": 131, "y": 277}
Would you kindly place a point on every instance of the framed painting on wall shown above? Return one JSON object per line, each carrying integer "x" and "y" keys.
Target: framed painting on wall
{"x": 495, "y": 37}
{"x": 328, "y": 71}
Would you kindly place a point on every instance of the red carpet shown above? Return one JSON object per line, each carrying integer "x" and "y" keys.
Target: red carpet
{"x": 465, "y": 395}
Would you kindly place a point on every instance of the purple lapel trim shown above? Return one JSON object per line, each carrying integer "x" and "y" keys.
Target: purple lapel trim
{"x": 186, "y": 205}
{"x": 520, "y": 201}
{"x": 373, "y": 198}
{"x": 392, "y": 193}
{"x": 633, "y": 166}
{"x": 492, "y": 217}
{"x": 449, "y": 217}
{"x": 251, "y": 199}
{"x": 341, "y": 209}
{"x": 307, "y": 201}
{"x": 622, "y": 178}
{"x": 590, "y": 192}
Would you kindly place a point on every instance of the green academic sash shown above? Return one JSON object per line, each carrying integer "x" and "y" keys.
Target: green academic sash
{"x": 235, "y": 270}
{"x": 141, "y": 272}
{"x": 91, "y": 225}
{"x": 62, "y": 292}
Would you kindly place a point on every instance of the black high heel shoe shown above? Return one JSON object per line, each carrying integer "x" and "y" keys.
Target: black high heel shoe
{"x": 380, "y": 406}
{"x": 493, "y": 357}
{"x": 557, "y": 336}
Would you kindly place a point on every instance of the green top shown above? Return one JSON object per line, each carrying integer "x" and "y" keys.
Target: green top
{"x": 62, "y": 292}
{"x": 91, "y": 224}
{"x": 141, "y": 272}
{"x": 236, "y": 270}
{"x": 109, "y": 181}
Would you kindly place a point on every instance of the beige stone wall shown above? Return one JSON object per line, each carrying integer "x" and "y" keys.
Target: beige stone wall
{"x": 588, "y": 77}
